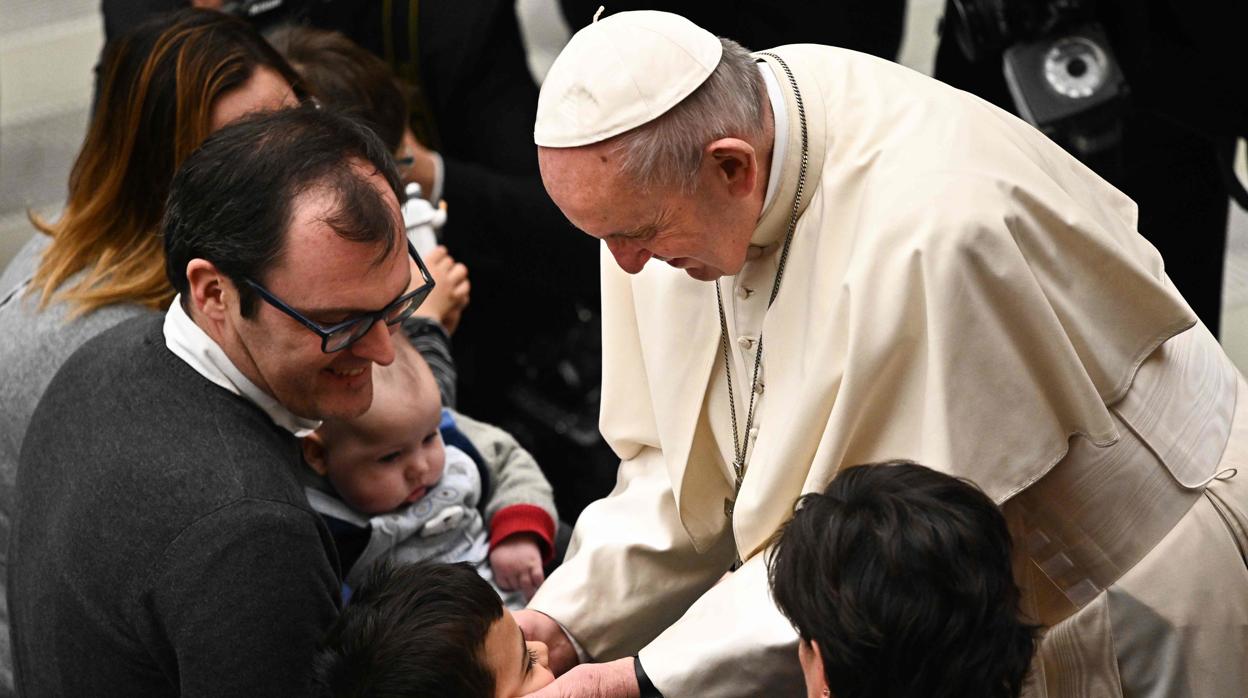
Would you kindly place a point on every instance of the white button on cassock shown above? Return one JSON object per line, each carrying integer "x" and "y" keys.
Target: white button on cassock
{"x": 745, "y": 342}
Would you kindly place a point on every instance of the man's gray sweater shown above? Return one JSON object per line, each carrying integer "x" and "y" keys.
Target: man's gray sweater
{"x": 162, "y": 544}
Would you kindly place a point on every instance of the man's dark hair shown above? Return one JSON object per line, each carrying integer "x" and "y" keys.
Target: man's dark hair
{"x": 902, "y": 576}
{"x": 412, "y": 630}
{"x": 231, "y": 202}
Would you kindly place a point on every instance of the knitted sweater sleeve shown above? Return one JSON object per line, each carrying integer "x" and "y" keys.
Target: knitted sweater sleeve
{"x": 434, "y": 344}
{"x": 521, "y": 499}
{"x": 241, "y": 597}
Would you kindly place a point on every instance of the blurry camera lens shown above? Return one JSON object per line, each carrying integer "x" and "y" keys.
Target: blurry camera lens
{"x": 1075, "y": 67}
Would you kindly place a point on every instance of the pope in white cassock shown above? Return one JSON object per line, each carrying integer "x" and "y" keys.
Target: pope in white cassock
{"x": 856, "y": 263}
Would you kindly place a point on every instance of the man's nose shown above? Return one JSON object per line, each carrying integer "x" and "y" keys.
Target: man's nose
{"x": 630, "y": 255}
{"x": 376, "y": 345}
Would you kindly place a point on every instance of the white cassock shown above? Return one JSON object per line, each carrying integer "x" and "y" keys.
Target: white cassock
{"x": 959, "y": 292}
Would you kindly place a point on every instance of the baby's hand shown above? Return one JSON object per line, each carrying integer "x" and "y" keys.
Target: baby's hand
{"x": 517, "y": 564}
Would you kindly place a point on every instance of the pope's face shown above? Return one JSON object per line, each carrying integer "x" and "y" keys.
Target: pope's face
{"x": 705, "y": 232}
{"x": 328, "y": 279}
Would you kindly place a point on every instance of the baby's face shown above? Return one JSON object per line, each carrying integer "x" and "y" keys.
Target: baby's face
{"x": 519, "y": 666}
{"x": 387, "y": 458}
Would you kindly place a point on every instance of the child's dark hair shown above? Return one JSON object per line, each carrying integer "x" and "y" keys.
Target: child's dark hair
{"x": 902, "y": 576}
{"x": 412, "y": 630}
{"x": 346, "y": 78}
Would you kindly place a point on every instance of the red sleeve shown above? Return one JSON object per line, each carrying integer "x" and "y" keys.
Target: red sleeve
{"x": 524, "y": 518}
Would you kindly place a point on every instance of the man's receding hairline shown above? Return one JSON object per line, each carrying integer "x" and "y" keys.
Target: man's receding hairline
{"x": 362, "y": 172}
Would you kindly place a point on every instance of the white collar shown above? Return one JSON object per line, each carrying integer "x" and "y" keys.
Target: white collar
{"x": 190, "y": 343}
{"x": 780, "y": 115}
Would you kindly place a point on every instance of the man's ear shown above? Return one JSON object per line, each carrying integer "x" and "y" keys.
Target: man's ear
{"x": 207, "y": 288}
{"x": 736, "y": 165}
{"x": 314, "y": 452}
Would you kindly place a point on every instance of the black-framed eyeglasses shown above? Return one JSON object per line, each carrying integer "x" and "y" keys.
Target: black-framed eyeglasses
{"x": 341, "y": 335}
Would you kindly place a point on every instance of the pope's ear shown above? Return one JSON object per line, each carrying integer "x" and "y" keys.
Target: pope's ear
{"x": 314, "y": 452}
{"x": 736, "y": 165}
{"x": 206, "y": 288}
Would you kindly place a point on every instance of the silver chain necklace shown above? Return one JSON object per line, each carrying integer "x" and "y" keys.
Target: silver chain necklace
{"x": 741, "y": 446}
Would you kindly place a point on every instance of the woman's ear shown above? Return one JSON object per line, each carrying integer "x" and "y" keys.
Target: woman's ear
{"x": 314, "y": 452}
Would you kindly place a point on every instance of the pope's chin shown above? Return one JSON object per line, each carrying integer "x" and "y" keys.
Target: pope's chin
{"x": 693, "y": 268}
{"x": 701, "y": 273}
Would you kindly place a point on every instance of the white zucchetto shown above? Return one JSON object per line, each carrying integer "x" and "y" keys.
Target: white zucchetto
{"x": 619, "y": 73}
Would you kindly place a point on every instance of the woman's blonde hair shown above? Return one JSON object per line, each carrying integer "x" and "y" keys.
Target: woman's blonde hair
{"x": 157, "y": 88}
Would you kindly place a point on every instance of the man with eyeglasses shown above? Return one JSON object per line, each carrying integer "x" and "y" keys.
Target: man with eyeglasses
{"x": 163, "y": 544}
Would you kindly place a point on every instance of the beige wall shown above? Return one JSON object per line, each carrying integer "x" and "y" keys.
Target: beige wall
{"x": 47, "y": 51}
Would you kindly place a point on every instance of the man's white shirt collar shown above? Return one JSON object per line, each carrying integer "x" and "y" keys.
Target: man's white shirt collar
{"x": 190, "y": 343}
{"x": 780, "y": 115}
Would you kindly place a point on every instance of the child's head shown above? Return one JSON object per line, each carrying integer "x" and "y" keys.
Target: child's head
{"x": 898, "y": 581}
{"x": 347, "y": 78}
{"x": 393, "y": 453}
{"x": 429, "y": 629}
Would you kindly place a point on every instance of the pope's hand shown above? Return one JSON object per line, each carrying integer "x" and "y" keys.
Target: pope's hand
{"x": 610, "y": 680}
{"x": 541, "y": 627}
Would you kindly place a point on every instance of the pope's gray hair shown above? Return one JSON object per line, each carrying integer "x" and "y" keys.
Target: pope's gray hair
{"x": 668, "y": 150}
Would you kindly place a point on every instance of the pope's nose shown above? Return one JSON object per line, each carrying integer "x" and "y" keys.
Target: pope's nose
{"x": 631, "y": 256}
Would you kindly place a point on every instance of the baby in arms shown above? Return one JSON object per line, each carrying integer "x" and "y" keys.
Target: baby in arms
{"x": 390, "y": 487}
